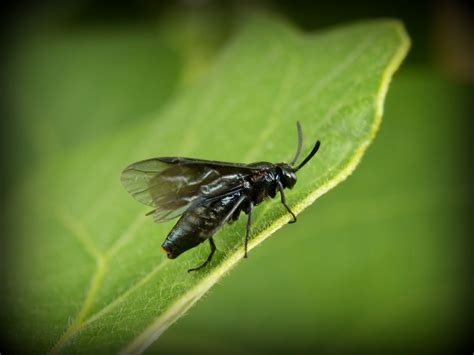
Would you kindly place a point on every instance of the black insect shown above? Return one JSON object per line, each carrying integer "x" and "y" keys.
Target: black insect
{"x": 207, "y": 194}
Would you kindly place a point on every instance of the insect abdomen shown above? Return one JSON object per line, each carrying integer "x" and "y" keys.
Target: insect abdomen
{"x": 198, "y": 224}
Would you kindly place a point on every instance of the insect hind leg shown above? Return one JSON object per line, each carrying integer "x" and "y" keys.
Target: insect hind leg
{"x": 209, "y": 258}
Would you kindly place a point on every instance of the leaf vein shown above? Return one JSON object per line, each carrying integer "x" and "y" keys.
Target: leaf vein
{"x": 79, "y": 231}
{"x": 73, "y": 329}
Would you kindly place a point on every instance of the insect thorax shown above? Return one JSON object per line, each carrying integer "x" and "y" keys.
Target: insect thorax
{"x": 263, "y": 184}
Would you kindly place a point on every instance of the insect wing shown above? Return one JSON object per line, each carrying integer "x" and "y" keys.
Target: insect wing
{"x": 171, "y": 185}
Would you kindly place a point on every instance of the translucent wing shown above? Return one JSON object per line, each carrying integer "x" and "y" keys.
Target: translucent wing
{"x": 171, "y": 185}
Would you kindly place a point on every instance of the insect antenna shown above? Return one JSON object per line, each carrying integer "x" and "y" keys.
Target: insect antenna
{"x": 300, "y": 143}
{"x": 310, "y": 155}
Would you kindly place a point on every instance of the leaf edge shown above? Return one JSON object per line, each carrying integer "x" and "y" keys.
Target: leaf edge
{"x": 152, "y": 332}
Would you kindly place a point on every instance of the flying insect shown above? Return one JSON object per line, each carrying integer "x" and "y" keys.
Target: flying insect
{"x": 207, "y": 194}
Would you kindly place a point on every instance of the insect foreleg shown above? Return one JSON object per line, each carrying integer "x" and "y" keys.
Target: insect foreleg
{"x": 283, "y": 201}
{"x": 249, "y": 224}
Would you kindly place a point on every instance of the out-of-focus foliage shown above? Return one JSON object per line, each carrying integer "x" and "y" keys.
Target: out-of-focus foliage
{"x": 70, "y": 88}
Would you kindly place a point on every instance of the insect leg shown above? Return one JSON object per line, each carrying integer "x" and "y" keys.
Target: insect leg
{"x": 283, "y": 201}
{"x": 231, "y": 212}
{"x": 209, "y": 258}
{"x": 211, "y": 241}
{"x": 249, "y": 224}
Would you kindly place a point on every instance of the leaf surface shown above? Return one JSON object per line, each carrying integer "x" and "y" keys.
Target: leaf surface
{"x": 380, "y": 258}
{"x": 92, "y": 276}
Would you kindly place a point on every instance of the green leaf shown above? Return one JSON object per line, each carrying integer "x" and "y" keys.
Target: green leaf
{"x": 379, "y": 260}
{"x": 88, "y": 264}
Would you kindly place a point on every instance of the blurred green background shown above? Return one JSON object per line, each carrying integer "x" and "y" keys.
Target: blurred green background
{"x": 379, "y": 264}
